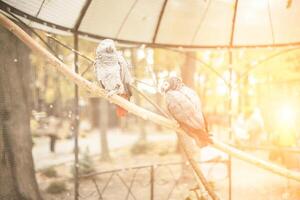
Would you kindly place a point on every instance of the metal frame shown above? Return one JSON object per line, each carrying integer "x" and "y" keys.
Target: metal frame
{"x": 230, "y": 97}
{"x": 159, "y": 20}
{"x": 76, "y": 100}
{"x": 76, "y": 123}
{"x": 153, "y": 179}
{"x": 125, "y": 18}
{"x": 81, "y": 15}
{"x": 7, "y": 8}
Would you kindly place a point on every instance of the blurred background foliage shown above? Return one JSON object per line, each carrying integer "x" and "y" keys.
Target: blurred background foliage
{"x": 259, "y": 80}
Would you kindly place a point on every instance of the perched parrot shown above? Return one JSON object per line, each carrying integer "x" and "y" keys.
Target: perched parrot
{"x": 184, "y": 105}
{"x": 112, "y": 72}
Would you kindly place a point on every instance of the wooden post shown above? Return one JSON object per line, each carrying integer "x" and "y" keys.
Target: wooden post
{"x": 103, "y": 130}
{"x": 141, "y": 122}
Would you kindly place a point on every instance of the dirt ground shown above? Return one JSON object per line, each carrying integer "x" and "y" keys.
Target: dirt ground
{"x": 174, "y": 181}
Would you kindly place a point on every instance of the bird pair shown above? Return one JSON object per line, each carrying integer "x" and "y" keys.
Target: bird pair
{"x": 112, "y": 73}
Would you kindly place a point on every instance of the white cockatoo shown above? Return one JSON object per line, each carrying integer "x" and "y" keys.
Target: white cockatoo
{"x": 184, "y": 105}
{"x": 112, "y": 72}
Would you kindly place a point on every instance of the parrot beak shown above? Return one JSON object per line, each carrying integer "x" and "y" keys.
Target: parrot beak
{"x": 109, "y": 49}
{"x": 165, "y": 87}
{"x": 161, "y": 91}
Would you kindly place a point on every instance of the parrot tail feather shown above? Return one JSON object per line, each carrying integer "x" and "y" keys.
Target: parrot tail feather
{"x": 121, "y": 112}
{"x": 201, "y": 136}
{"x": 205, "y": 138}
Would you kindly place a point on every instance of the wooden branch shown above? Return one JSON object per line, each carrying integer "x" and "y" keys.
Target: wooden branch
{"x": 159, "y": 109}
{"x": 198, "y": 173}
{"x": 182, "y": 138}
{"x": 134, "y": 109}
{"x": 79, "y": 80}
{"x": 256, "y": 161}
{"x": 92, "y": 61}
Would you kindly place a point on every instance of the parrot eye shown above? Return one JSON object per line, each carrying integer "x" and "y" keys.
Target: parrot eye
{"x": 165, "y": 87}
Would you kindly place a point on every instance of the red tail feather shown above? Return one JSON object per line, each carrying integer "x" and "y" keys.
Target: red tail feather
{"x": 201, "y": 136}
{"x": 121, "y": 112}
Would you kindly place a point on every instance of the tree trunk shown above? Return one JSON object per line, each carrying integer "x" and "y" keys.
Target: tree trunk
{"x": 17, "y": 174}
{"x": 141, "y": 122}
{"x": 94, "y": 112}
{"x": 188, "y": 69}
{"x": 103, "y": 130}
{"x": 157, "y": 95}
{"x": 187, "y": 74}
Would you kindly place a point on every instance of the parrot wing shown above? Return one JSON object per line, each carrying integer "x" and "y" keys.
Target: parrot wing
{"x": 125, "y": 74}
{"x": 98, "y": 72}
{"x": 194, "y": 98}
{"x": 184, "y": 110}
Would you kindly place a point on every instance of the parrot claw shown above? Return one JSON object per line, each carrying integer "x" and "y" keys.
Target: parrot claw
{"x": 111, "y": 93}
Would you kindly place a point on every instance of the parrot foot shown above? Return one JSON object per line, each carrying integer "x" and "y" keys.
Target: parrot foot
{"x": 111, "y": 93}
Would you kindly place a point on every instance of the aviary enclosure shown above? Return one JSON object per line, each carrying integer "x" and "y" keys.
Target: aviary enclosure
{"x": 206, "y": 93}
